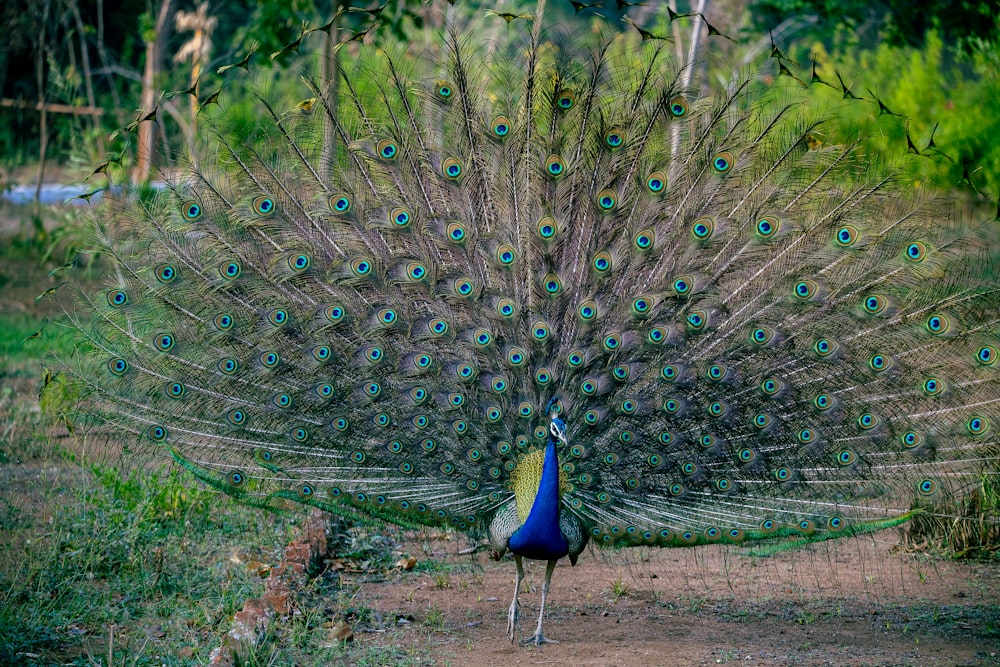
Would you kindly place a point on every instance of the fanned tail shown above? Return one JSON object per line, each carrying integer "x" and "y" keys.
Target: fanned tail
{"x": 369, "y": 303}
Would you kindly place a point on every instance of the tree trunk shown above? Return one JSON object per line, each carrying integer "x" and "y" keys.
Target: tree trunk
{"x": 88, "y": 76}
{"x": 331, "y": 75}
{"x": 102, "y": 53}
{"x": 150, "y": 75}
{"x": 43, "y": 121}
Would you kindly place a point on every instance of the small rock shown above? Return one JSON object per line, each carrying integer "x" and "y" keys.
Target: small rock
{"x": 406, "y": 563}
{"x": 342, "y": 632}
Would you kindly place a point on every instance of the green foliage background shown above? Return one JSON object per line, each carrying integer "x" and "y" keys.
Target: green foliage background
{"x": 936, "y": 63}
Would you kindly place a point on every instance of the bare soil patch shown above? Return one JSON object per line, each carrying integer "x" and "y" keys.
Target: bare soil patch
{"x": 847, "y": 603}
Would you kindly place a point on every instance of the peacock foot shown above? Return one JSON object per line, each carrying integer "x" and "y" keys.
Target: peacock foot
{"x": 538, "y": 640}
{"x": 513, "y": 622}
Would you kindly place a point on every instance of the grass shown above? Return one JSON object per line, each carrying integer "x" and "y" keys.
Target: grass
{"x": 98, "y": 566}
{"x": 619, "y": 588}
{"x": 971, "y": 532}
{"x": 148, "y": 557}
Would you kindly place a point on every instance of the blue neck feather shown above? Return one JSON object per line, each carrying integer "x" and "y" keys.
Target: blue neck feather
{"x": 539, "y": 536}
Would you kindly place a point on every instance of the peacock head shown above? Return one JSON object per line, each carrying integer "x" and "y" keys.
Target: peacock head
{"x": 557, "y": 428}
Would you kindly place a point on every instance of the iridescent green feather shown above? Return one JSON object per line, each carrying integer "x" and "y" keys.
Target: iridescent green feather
{"x": 367, "y": 307}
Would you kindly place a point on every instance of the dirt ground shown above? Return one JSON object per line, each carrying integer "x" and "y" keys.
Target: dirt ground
{"x": 848, "y": 603}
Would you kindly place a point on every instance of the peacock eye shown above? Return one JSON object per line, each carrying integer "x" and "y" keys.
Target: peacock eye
{"x": 340, "y": 203}
{"x": 387, "y": 150}
{"x": 500, "y": 127}
{"x": 678, "y": 107}
{"x": 565, "y": 99}
{"x": 400, "y": 217}
{"x": 607, "y": 200}
{"x": 444, "y": 91}
{"x": 656, "y": 182}
{"x": 554, "y": 166}
{"x": 614, "y": 138}
{"x": 263, "y": 206}
{"x": 722, "y": 162}
{"x": 452, "y": 169}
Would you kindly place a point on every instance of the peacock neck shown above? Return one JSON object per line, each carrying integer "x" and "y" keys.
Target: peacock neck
{"x": 539, "y": 536}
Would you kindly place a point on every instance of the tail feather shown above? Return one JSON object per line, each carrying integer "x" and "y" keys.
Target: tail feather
{"x": 368, "y": 304}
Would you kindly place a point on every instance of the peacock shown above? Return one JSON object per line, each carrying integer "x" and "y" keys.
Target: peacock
{"x": 550, "y": 296}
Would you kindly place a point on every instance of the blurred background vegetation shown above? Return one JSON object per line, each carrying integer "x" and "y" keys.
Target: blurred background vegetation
{"x": 926, "y": 73}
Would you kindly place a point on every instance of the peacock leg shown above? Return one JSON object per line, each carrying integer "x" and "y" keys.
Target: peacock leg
{"x": 539, "y": 638}
{"x": 513, "y": 625}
